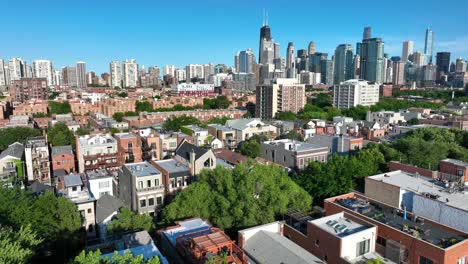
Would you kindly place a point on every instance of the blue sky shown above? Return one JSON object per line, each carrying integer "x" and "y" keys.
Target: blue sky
{"x": 182, "y": 32}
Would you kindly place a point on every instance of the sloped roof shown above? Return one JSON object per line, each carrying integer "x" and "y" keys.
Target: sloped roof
{"x": 15, "y": 150}
{"x": 241, "y": 123}
{"x": 59, "y": 150}
{"x": 37, "y": 187}
{"x": 229, "y": 156}
{"x": 186, "y": 148}
{"x": 106, "y": 206}
{"x": 72, "y": 180}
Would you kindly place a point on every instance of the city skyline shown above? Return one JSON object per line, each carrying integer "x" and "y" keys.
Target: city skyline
{"x": 99, "y": 37}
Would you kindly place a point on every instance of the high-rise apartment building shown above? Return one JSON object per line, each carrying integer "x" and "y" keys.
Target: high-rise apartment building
{"x": 29, "y": 88}
{"x": 16, "y": 68}
{"x": 115, "y": 74}
{"x": 398, "y": 73}
{"x": 352, "y": 93}
{"x": 284, "y": 95}
{"x": 169, "y": 70}
{"x": 245, "y": 61}
{"x": 194, "y": 71}
{"x": 442, "y": 63}
{"x": 460, "y": 65}
{"x": 419, "y": 59}
{"x": 429, "y": 45}
{"x": 3, "y": 80}
{"x": 81, "y": 75}
{"x": 69, "y": 76}
{"x": 43, "y": 69}
{"x": 343, "y": 61}
{"x": 372, "y": 57}
{"x": 130, "y": 73}
{"x": 408, "y": 47}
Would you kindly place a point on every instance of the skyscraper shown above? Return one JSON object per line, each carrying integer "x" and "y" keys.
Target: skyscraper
{"x": 367, "y": 33}
{"x": 169, "y": 70}
{"x": 2, "y": 73}
{"x": 290, "y": 61}
{"x": 408, "y": 47}
{"x": 69, "y": 76}
{"x": 372, "y": 56}
{"x": 265, "y": 36}
{"x": 194, "y": 71}
{"x": 116, "y": 74}
{"x": 245, "y": 61}
{"x": 399, "y": 73}
{"x": 442, "y": 63}
{"x": 16, "y": 67}
{"x": 343, "y": 63}
{"x": 429, "y": 45}
{"x": 130, "y": 73}
{"x": 311, "y": 48}
{"x": 460, "y": 65}
{"x": 81, "y": 75}
{"x": 418, "y": 59}
{"x": 43, "y": 69}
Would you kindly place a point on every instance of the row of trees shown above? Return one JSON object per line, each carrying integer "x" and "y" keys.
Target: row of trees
{"x": 176, "y": 123}
{"x": 11, "y": 135}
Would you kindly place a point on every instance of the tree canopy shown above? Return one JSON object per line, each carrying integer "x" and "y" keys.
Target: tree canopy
{"x": 249, "y": 195}
{"x": 251, "y": 148}
{"x": 60, "y": 135}
{"x": 220, "y": 102}
{"x": 286, "y": 116}
{"x": 175, "y": 123}
{"x": 126, "y": 220}
{"x": 17, "y": 246}
{"x": 94, "y": 257}
{"x": 11, "y": 135}
{"x": 59, "y": 107}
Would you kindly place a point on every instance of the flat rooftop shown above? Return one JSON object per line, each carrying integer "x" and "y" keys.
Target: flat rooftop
{"x": 425, "y": 186}
{"x": 185, "y": 227}
{"x": 142, "y": 169}
{"x": 171, "y": 165}
{"x": 221, "y": 127}
{"x": 295, "y": 145}
{"x": 125, "y": 135}
{"x": 392, "y": 217}
{"x": 339, "y": 225}
{"x": 456, "y": 162}
{"x": 98, "y": 174}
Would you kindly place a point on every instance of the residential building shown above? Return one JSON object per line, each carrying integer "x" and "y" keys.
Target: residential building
{"x": 96, "y": 152}
{"x": 195, "y": 240}
{"x": 100, "y": 183}
{"x": 225, "y": 134}
{"x": 150, "y": 144}
{"x": 398, "y": 73}
{"x": 310, "y": 78}
{"x": 11, "y": 163}
{"x": 26, "y": 89}
{"x": 81, "y": 75}
{"x": 195, "y": 157}
{"x": 129, "y": 148}
{"x": 43, "y": 69}
{"x": 284, "y": 95}
{"x": 355, "y": 92}
{"x": 401, "y": 236}
{"x": 107, "y": 207}
{"x": 36, "y": 153}
{"x": 248, "y": 127}
{"x": 75, "y": 189}
{"x": 372, "y": 57}
{"x": 130, "y": 73}
{"x": 200, "y": 135}
{"x": 176, "y": 175}
{"x": 340, "y": 144}
{"x": 408, "y": 47}
{"x": 245, "y": 61}
{"x": 385, "y": 117}
{"x": 229, "y": 157}
{"x": 194, "y": 71}
{"x": 293, "y": 154}
{"x": 69, "y": 76}
{"x": 193, "y": 89}
{"x": 20, "y": 121}
{"x": 115, "y": 74}
{"x": 335, "y": 238}
{"x": 16, "y": 69}
{"x": 267, "y": 244}
{"x": 63, "y": 159}
{"x": 343, "y": 62}
{"x": 3, "y": 76}
{"x": 141, "y": 187}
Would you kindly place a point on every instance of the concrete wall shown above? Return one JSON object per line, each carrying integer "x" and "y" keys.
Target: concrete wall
{"x": 246, "y": 234}
{"x": 395, "y": 165}
{"x": 96, "y": 191}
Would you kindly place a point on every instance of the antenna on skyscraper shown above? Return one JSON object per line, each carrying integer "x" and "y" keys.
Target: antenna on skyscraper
{"x": 266, "y": 18}
{"x": 263, "y": 24}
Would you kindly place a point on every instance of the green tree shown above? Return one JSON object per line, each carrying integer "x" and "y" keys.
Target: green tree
{"x": 39, "y": 115}
{"x": 175, "y": 123}
{"x": 126, "y": 220}
{"x": 249, "y": 195}
{"x": 220, "y": 102}
{"x": 218, "y": 120}
{"x": 251, "y": 149}
{"x": 118, "y": 116}
{"x": 358, "y": 112}
{"x": 94, "y": 257}
{"x": 294, "y": 135}
{"x": 17, "y": 246}
{"x": 59, "y": 107}
{"x": 122, "y": 94}
{"x": 286, "y": 116}
{"x": 82, "y": 131}
{"x": 11, "y": 135}
{"x": 60, "y": 135}
{"x": 323, "y": 100}
{"x": 143, "y": 106}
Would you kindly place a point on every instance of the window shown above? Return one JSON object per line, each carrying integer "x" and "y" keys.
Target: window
{"x": 424, "y": 260}
{"x": 173, "y": 144}
{"x": 74, "y": 188}
{"x": 362, "y": 247}
{"x": 89, "y": 210}
{"x": 143, "y": 203}
{"x": 381, "y": 241}
{"x": 462, "y": 260}
{"x": 103, "y": 185}
{"x": 156, "y": 182}
{"x": 140, "y": 184}
{"x": 179, "y": 182}
{"x": 151, "y": 201}
{"x": 148, "y": 182}
{"x": 317, "y": 242}
{"x": 159, "y": 200}
{"x": 173, "y": 183}
{"x": 130, "y": 145}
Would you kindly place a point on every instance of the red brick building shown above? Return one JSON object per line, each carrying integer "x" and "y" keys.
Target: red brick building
{"x": 129, "y": 148}
{"x": 29, "y": 88}
{"x": 63, "y": 159}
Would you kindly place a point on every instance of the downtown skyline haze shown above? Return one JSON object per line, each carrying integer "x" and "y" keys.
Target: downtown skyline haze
{"x": 160, "y": 33}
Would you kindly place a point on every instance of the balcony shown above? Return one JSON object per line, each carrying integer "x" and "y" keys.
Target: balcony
{"x": 9, "y": 169}
{"x": 100, "y": 156}
{"x": 149, "y": 189}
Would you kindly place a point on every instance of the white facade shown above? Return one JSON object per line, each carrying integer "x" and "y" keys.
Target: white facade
{"x": 57, "y": 78}
{"x": 43, "y": 69}
{"x": 130, "y": 73}
{"x": 115, "y": 74}
{"x": 100, "y": 186}
{"x": 217, "y": 79}
{"x": 193, "y": 87}
{"x": 16, "y": 69}
{"x": 408, "y": 47}
{"x": 194, "y": 71}
{"x": 169, "y": 70}
{"x": 355, "y": 92}
{"x": 2, "y": 73}
{"x": 180, "y": 75}
{"x": 310, "y": 78}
